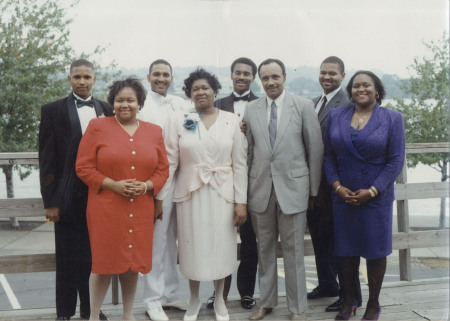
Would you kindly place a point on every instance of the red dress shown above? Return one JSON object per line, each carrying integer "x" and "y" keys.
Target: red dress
{"x": 120, "y": 228}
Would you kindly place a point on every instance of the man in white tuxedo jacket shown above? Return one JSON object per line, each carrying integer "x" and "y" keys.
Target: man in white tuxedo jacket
{"x": 285, "y": 154}
{"x": 161, "y": 285}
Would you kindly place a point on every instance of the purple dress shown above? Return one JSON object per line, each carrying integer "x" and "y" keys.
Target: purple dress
{"x": 372, "y": 156}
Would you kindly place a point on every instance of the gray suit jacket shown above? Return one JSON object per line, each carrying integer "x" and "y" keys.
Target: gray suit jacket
{"x": 294, "y": 165}
{"x": 340, "y": 99}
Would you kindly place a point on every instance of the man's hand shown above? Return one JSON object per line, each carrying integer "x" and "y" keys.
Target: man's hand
{"x": 158, "y": 213}
{"x": 52, "y": 214}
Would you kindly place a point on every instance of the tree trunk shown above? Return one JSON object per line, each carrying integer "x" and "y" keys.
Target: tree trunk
{"x": 8, "y": 170}
{"x": 443, "y": 199}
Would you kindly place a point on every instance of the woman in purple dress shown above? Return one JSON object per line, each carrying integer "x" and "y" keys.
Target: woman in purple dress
{"x": 364, "y": 154}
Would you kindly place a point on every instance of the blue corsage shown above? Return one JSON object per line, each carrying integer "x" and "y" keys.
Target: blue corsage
{"x": 191, "y": 122}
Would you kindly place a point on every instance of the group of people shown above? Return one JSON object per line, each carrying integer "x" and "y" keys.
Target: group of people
{"x": 133, "y": 183}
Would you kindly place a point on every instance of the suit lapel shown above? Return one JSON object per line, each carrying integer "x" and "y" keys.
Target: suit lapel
{"x": 285, "y": 118}
{"x": 336, "y": 101}
{"x": 75, "y": 126}
{"x": 263, "y": 123}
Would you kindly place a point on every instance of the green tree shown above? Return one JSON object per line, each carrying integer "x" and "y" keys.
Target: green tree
{"x": 34, "y": 57}
{"x": 426, "y": 112}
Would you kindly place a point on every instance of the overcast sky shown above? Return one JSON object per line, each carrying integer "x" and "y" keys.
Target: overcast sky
{"x": 382, "y": 35}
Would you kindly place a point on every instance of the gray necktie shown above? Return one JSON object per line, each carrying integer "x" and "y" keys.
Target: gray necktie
{"x": 273, "y": 123}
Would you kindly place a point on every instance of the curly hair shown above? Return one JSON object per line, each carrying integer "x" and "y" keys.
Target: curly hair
{"x": 377, "y": 81}
{"x": 197, "y": 74}
{"x": 132, "y": 82}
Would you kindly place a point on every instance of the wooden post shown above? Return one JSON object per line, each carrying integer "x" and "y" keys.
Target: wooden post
{"x": 403, "y": 226}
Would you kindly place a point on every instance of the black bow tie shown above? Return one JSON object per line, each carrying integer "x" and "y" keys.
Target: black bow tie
{"x": 246, "y": 97}
{"x": 81, "y": 103}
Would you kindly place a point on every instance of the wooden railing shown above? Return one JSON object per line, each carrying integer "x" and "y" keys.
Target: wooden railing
{"x": 404, "y": 240}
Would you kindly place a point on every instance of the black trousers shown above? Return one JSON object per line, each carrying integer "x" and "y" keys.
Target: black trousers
{"x": 321, "y": 229}
{"x": 73, "y": 267}
{"x": 246, "y": 274}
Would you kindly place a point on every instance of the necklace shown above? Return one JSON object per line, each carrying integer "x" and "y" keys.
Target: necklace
{"x": 360, "y": 119}
{"x": 121, "y": 125}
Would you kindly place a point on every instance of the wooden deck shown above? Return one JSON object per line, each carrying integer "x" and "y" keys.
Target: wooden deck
{"x": 402, "y": 300}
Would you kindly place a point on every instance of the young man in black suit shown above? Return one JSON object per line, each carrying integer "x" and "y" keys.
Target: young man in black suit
{"x": 243, "y": 72}
{"x": 63, "y": 123}
{"x": 320, "y": 218}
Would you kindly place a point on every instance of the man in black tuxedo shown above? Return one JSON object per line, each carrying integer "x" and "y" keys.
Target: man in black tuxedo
{"x": 320, "y": 218}
{"x": 243, "y": 72}
{"x": 63, "y": 123}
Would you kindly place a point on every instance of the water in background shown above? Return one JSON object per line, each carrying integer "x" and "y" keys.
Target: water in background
{"x": 430, "y": 208}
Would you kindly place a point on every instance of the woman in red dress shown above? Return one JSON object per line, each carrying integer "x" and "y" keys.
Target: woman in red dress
{"x": 124, "y": 163}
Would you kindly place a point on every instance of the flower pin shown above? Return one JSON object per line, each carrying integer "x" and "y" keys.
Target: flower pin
{"x": 191, "y": 122}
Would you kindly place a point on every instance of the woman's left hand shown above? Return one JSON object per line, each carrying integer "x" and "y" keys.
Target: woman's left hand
{"x": 360, "y": 197}
{"x": 240, "y": 214}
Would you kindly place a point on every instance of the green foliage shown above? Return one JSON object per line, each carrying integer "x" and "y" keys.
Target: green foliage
{"x": 35, "y": 55}
{"x": 426, "y": 112}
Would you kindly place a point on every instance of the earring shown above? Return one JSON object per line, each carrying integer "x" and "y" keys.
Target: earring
{"x": 378, "y": 96}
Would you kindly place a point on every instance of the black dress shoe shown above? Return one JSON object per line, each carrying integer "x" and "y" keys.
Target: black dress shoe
{"x": 210, "y": 301}
{"x": 101, "y": 316}
{"x": 248, "y": 302}
{"x": 62, "y": 318}
{"x": 316, "y": 293}
{"x": 335, "y": 306}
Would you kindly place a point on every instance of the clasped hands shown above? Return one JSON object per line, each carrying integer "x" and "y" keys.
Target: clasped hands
{"x": 131, "y": 187}
{"x": 354, "y": 198}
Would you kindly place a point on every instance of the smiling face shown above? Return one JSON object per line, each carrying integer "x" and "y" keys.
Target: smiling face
{"x": 242, "y": 78}
{"x": 272, "y": 79}
{"x": 82, "y": 79}
{"x": 126, "y": 105}
{"x": 202, "y": 95}
{"x": 330, "y": 77}
{"x": 363, "y": 91}
{"x": 160, "y": 79}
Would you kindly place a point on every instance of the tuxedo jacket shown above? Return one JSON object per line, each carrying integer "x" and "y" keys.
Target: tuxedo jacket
{"x": 340, "y": 99}
{"x": 59, "y": 137}
{"x": 227, "y": 103}
{"x": 293, "y": 167}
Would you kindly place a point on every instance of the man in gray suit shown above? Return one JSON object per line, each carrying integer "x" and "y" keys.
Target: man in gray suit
{"x": 285, "y": 154}
{"x": 320, "y": 216}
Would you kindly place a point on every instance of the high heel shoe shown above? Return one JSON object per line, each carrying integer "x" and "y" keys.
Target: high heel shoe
{"x": 376, "y": 317}
{"x": 192, "y": 317}
{"x": 346, "y": 316}
{"x": 221, "y": 317}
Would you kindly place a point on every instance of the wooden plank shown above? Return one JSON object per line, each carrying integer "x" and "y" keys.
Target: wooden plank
{"x": 417, "y": 148}
{"x": 420, "y": 239}
{"x": 27, "y": 263}
{"x": 28, "y": 158}
{"x": 421, "y": 190}
{"x": 21, "y": 207}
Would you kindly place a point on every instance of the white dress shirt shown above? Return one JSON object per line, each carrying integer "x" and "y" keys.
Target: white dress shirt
{"x": 239, "y": 106}
{"x": 279, "y": 102}
{"x": 329, "y": 97}
{"x": 85, "y": 113}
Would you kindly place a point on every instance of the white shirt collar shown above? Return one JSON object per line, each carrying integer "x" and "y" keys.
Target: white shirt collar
{"x": 78, "y": 97}
{"x": 237, "y": 95}
{"x": 278, "y": 101}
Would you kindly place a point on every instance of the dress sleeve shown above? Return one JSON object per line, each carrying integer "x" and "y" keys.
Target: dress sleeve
{"x": 395, "y": 155}
{"x": 86, "y": 165}
{"x": 330, "y": 159}
{"x": 173, "y": 153}
{"x": 239, "y": 165}
{"x": 161, "y": 172}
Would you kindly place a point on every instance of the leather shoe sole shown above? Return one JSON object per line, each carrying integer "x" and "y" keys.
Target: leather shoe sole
{"x": 259, "y": 313}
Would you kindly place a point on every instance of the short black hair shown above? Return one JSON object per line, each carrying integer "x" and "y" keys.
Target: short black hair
{"x": 377, "y": 81}
{"x": 197, "y": 74}
{"x": 157, "y": 62}
{"x": 132, "y": 82}
{"x": 81, "y": 62}
{"x": 334, "y": 60}
{"x": 245, "y": 61}
{"x": 269, "y": 61}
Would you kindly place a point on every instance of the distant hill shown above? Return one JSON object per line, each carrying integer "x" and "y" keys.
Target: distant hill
{"x": 302, "y": 80}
